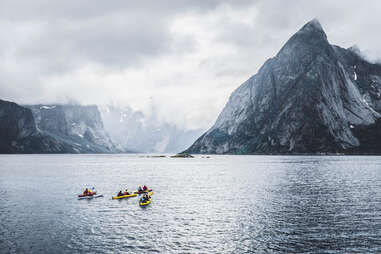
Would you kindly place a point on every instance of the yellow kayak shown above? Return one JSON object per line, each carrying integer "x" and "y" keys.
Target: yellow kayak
{"x": 125, "y": 196}
{"x": 148, "y": 201}
{"x": 145, "y": 203}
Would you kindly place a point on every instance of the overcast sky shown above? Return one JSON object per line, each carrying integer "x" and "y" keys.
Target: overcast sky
{"x": 182, "y": 57}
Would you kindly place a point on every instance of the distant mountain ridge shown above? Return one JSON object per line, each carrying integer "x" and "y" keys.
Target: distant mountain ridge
{"x": 52, "y": 129}
{"x": 79, "y": 126}
{"x": 19, "y": 134}
{"x": 312, "y": 97}
{"x": 60, "y": 128}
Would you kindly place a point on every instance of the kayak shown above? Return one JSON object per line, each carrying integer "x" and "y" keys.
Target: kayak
{"x": 148, "y": 201}
{"x": 125, "y": 196}
{"x": 142, "y": 191}
{"x": 87, "y": 195}
{"x": 145, "y": 203}
{"x": 90, "y": 197}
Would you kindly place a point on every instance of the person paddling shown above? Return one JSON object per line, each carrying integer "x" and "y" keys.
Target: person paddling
{"x": 120, "y": 194}
{"x": 146, "y": 198}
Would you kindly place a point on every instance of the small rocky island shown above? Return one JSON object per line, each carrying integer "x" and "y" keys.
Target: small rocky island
{"x": 182, "y": 155}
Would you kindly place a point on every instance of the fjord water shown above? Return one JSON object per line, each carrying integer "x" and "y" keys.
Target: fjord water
{"x": 222, "y": 204}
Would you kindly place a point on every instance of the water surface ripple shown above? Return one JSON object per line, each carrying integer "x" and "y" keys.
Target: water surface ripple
{"x": 222, "y": 204}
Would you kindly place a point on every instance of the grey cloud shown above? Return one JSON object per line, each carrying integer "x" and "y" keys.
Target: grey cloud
{"x": 117, "y": 33}
{"x": 84, "y": 9}
{"x": 43, "y": 39}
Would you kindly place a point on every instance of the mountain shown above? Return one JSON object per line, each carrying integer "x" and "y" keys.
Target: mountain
{"x": 312, "y": 97}
{"x": 19, "y": 134}
{"x": 86, "y": 129}
{"x": 77, "y": 126}
{"x": 135, "y": 131}
{"x": 52, "y": 129}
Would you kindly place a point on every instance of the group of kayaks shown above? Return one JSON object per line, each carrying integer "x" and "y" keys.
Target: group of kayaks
{"x": 144, "y": 201}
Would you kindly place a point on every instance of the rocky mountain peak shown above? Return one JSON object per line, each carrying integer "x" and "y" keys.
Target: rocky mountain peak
{"x": 312, "y": 31}
{"x": 313, "y": 26}
{"x": 309, "y": 42}
{"x": 312, "y": 97}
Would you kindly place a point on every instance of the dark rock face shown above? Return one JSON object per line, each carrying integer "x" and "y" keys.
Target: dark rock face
{"x": 80, "y": 127}
{"x": 18, "y": 132}
{"x": 312, "y": 97}
{"x": 86, "y": 129}
{"x": 52, "y": 129}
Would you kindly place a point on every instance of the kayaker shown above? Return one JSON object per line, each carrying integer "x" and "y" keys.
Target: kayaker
{"x": 145, "y": 188}
{"x": 86, "y": 191}
{"x": 140, "y": 188}
{"x": 120, "y": 194}
{"x": 126, "y": 192}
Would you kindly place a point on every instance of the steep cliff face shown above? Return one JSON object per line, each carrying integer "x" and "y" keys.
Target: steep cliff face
{"x": 312, "y": 97}
{"x": 80, "y": 127}
{"x": 18, "y": 132}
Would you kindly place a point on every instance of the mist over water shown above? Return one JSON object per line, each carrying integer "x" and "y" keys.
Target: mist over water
{"x": 224, "y": 204}
{"x": 137, "y": 132}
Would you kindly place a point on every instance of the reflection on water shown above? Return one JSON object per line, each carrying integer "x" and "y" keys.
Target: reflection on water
{"x": 225, "y": 204}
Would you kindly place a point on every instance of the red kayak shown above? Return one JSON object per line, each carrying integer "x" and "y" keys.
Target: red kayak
{"x": 87, "y": 195}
